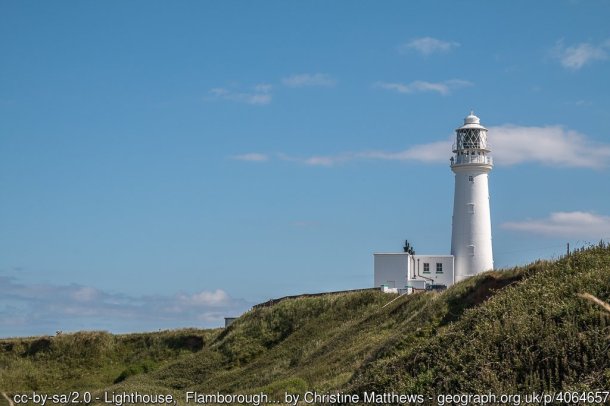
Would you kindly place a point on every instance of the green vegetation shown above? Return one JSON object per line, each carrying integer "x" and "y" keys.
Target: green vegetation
{"x": 517, "y": 330}
{"x": 539, "y": 334}
{"x": 91, "y": 360}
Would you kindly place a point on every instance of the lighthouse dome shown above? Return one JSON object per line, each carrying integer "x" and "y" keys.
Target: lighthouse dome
{"x": 472, "y": 119}
{"x": 472, "y": 122}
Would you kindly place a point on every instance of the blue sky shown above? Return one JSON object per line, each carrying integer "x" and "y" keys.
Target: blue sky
{"x": 164, "y": 165}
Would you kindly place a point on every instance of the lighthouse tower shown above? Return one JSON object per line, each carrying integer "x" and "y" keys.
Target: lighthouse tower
{"x": 471, "y": 226}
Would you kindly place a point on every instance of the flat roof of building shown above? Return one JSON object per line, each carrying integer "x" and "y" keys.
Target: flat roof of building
{"x": 416, "y": 255}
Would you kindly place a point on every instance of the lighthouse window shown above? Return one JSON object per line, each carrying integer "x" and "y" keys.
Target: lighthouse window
{"x": 426, "y": 267}
{"x": 471, "y": 249}
{"x": 471, "y": 178}
{"x": 439, "y": 267}
{"x": 471, "y": 208}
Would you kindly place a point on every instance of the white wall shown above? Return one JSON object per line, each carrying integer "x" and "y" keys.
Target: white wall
{"x": 444, "y": 278}
{"x": 471, "y": 230}
{"x": 397, "y": 270}
{"x": 391, "y": 269}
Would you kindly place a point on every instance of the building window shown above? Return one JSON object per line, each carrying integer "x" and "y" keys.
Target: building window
{"x": 471, "y": 178}
{"x": 439, "y": 267}
{"x": 471, "y": 249}
{"x": 471, "y": 208}
{"x": 426, "y": 267}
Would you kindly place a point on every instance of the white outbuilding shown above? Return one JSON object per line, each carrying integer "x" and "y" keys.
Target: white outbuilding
{"x": 401, "y": 272}
{"x": 471, "y": 247}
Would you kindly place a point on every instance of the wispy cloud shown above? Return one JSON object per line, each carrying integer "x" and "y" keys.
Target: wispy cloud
{"x": 549, "y": 145}
{"x": 428, "y": 45}
{"x": 45, "y": 308}
{"x": 259, "y": 95}
{"x": 577, "y": 56}
{"x": 435, "y": 152}
{"x": 317, "y": 160}
{"x": 565, "y": 224}
{"x": 510, "y": 144}
{"x": 418, "y": 86}
{"x": 308, "y": 79}
{"x": 263, "y": 88}
{"x": 252, "y": 157}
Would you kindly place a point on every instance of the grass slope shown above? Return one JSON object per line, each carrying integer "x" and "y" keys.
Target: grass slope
{"x": 536, "y": 335}
{"x": 90, "y": 360}
{"x": 508, "y": 331}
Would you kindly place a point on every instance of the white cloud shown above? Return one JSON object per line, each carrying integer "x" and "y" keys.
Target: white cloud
{"x": 317, "y": 160}
{"x": 259, "y": 96}
{"x": 577, "y": 56}
{"x": 549, "y": 145}
{"x": 323, "y": 160}
{"x": 252, "y": 157}
{"x": 566, "y": 224}
{"x": 307, "y": 79}
{"x": 263, "y": 87}
{"x": 45, "y": 308}
{"x": 202, "y": 299}
{"x": 430, "y": 153}
{"x": 85, "y": 294}
{"x": 312, "y": 160}
{"x": 418, "y": 86}
{"x": 434, "y": 152}
{"x": 510, "y": 145}
{"x": 429, "y": 45}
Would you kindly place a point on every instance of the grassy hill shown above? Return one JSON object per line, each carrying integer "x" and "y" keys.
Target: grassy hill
{"x": 90, "y": 360}
{"x": 517, "y": 330}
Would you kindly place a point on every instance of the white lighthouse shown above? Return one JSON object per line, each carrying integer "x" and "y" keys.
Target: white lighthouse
{"x": 471, "y": 251}
{"x": 471, "y": 225}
